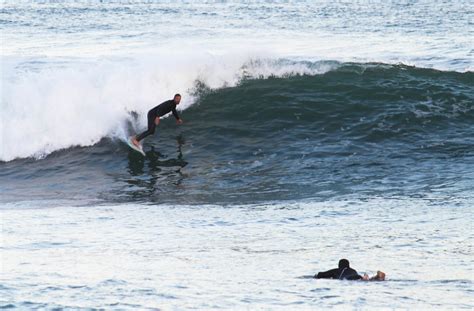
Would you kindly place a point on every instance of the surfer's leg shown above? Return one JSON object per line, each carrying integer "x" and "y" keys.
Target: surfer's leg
{"x": 380, "y": 276}
{"x": 148, "y": 132}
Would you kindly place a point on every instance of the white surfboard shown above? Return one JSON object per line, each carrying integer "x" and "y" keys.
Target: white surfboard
{"x": 131, "y": 145}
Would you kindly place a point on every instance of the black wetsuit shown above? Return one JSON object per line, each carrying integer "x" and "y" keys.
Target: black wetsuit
{"x": 340, "y": 274}
{"x": 159, "y": 111}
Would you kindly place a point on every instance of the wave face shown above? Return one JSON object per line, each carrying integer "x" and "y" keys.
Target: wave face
{"x": 333, "y": 130}
{"x": 58, "y": 105}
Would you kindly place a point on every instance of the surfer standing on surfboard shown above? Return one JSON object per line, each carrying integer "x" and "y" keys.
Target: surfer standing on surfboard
{"x": 154, "y": 117}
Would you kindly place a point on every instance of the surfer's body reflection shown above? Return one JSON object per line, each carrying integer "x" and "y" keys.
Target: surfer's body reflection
{"x": 151, "y": 173}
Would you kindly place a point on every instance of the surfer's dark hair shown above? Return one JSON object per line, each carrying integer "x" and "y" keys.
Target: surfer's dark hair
{"x": 176, "y": 95}
{"x": 343, "y": 263}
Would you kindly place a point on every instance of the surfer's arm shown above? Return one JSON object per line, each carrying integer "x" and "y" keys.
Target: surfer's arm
{"x": 176, "y": 115}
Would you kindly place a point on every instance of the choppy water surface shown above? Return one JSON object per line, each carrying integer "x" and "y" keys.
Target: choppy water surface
{"x": 313, "y": 131}
{"x": 135, "y": 256}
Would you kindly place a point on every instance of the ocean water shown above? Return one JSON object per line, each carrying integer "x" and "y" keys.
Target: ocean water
{"x": 313, "y": 131}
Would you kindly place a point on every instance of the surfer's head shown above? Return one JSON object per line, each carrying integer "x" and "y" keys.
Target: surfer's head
{"x": 343, "y": 263}
{"x": 177, "y": 98}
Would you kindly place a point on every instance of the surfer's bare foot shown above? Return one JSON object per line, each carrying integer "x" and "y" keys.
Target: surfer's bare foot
{"x": 380, "y": 276}
{"x": 135, "y": 142}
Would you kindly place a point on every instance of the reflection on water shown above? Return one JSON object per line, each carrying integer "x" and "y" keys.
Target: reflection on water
{"x": 152, "y": 176}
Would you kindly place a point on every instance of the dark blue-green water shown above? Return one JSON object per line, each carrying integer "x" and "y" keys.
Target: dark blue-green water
{"x": 360, "y": 129}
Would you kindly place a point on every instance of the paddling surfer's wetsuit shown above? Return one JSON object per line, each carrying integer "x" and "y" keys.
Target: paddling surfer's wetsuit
{"x": 340, "y": 274}
{"x": 344, "y": 272}
{"x": 159, "y": 111}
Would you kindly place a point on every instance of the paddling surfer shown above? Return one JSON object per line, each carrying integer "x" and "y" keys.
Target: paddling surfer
{"x": 345, "y": 272}
{"x": 154, "y": 115}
